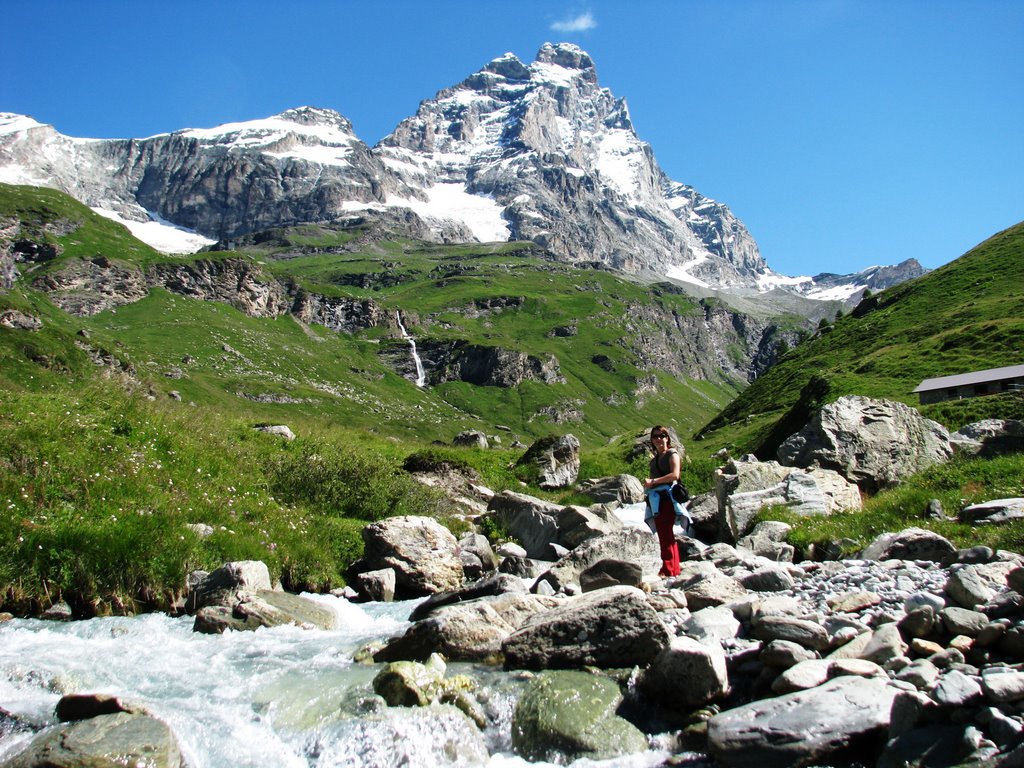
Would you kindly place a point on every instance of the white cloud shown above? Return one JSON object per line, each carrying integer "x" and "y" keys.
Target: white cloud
{"x": 580, "y": 23}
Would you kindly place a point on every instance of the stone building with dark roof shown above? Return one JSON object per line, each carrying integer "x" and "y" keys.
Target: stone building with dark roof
{"x": 990, "y": 382}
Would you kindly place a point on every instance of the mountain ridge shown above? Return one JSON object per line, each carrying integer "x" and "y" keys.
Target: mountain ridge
{"x": 537, "y": 152}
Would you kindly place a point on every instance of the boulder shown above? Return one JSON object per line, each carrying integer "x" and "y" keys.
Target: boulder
{"x": 219, "y": 587}
{"x": 476, "y": 554}
{"x": 626, "y": 489}
{"x": 686, "y": 674}
{"x": 610, "y": 573}
{"x": 629, "y": 544}
{"x": 377, "y": 586}
{"x": 537, "y": 524}
{"x": 613, "y": 627}
{"x": 495, "y": 584}
{"x": 555, "y": 459}
{"x": 994, "y": 512}
{"x": 471, "y": 631}
{"x": 423, "y": 553}
{"x": 910, "y": 544}
{"x": 263, "y": 608}
{"x": 12, "y": 318}
{"x": 567, "y": 715}
{"x": 990, "y": 437}
{"x": 280, "y": 430}
{"x": 471, "y": 438}
{"x": 104, "y": 741}
{"x": 847, "y": 717}
{"x": 873, "y": 443}
{"x": 744, "y": 488}
{"x": 768, "y": 540}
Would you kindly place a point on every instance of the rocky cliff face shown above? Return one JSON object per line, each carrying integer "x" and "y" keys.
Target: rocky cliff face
{"x": 559, "y": 156}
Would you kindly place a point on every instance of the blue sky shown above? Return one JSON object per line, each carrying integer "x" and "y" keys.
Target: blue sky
{"x": 843, "y": 133}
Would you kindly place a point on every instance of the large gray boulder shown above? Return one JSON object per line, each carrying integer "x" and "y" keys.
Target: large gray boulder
{"x": 745, "y": 487}
{"x": 626, "y": 489}
{"x": 423, "y": 553}
{"x": 989, "y": 437}
{"x": 874, "y": 443}
{"x": 472, "y": 631}
{"x": 630, "y": 544}
{"x": 910, "y": 544}
{"x": 556, "y": 460}
{"x": 613, "y": 627}
{"x": 105, "y": 741}
{"x": 847, "y": 716}
{"x": 537, "y": 524}
{"x": 567, "y": 715}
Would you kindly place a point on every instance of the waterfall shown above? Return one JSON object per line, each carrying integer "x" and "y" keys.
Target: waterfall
{"x": 421, "y": 374}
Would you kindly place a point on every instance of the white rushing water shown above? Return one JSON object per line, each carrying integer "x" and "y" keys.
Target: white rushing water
{"x": 421, "y": 374}
{"x": 274, "y": 697}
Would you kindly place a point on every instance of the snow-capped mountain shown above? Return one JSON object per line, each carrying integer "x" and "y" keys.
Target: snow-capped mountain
{"x": 534, "y": 152}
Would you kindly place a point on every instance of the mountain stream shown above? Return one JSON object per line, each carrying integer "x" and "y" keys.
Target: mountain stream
{"x": 274, "y": 697}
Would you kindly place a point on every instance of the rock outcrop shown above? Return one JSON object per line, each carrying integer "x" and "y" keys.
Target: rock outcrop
{"x": 874, "y": 443}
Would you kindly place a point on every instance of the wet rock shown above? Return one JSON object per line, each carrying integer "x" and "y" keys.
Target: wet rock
{"x": 103, "y": 741}
{"x": 568, "y": 715}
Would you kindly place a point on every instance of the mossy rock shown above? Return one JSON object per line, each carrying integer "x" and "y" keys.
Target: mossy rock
{"x": 566, "y": 715}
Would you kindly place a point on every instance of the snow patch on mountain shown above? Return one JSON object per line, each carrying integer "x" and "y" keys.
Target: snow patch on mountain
{"x": 317, "y": 136}
{"x": 481, "y": 214}
{"x": 12, "y": 123}
{"x": 159, "y": 233}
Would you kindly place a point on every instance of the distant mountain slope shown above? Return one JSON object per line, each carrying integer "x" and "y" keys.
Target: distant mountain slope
{"x": 306, "y": 324}
{"x": 965, "y": 316}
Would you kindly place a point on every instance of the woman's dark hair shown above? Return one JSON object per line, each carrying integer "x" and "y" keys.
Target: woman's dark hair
{"x": 657, "y": 431}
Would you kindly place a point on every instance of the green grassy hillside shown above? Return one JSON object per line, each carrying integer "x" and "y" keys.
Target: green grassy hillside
{"x": 965, "y": 316}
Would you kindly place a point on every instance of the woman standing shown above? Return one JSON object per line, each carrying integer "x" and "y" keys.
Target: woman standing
{"x": 662, "y": 508}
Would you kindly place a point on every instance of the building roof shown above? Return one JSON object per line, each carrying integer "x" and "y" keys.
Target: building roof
{"x": 966, "y": 379}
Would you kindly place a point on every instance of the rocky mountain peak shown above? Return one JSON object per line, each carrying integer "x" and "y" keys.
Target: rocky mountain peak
{"x": 570, "y": 57}
{"x": 508, "y": 66}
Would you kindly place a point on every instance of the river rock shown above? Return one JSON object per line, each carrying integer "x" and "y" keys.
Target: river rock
{"x": 873, "y": 443}
{"x": 263, "y": 608}
{"x": 848, "y": 715}
{"x": 625, "y": 489}
{"x": 686, "y": 674}
{"x": 495, "y": 584}
{"x": 423, "y": 553}
{"x": 471, "y": 631}
{"x": 104, "y": 741}
{"x": 567, "y": 715}
{"x": 613, "y": 627}
{"x": 628, "y": 544}
{"x": 377, "y": 586}
{"x": 219, "y": 587}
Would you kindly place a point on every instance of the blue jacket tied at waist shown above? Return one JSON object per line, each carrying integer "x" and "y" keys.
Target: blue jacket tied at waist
{"x": 654, "y": 503}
